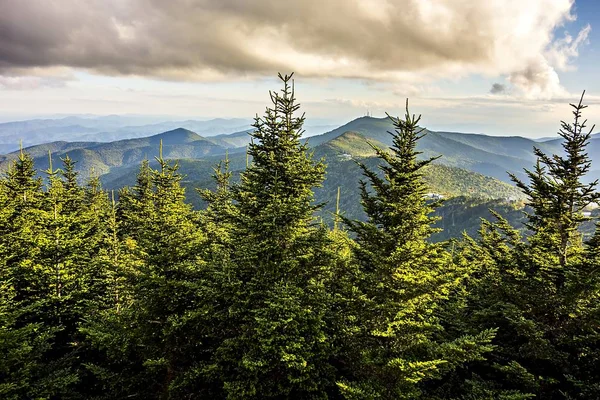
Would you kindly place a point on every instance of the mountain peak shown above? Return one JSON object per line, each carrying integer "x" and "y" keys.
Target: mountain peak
{"x": 353, "y": 143}
{"x": 177, "y": 136}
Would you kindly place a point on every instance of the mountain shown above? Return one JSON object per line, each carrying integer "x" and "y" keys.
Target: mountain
{"x": 344, "y": 151}
{"x": 232, "y": 140}
{"x": 488, "y": 155}
{"x": 455, "y": 176}
{"x": 208, "y": 128}
{"x": 340, "y": 154}
{"x": 105, "y": 129}
{"x": 90, "y": 128}
{"x": 351, "y": 143}
{"x": 373, "y": 128}
{"x": 102, "y": 158}
{"x": 471, "y": 174}
{"x": 494, "y": 156}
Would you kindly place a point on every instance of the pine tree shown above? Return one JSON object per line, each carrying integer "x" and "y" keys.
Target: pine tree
{"x": 218, "y": 216}
{"x": 157, "y": 253}
{"x": 272, "y": 306}
{"x": 541, "y": 291}
{"x": 22, "y": 347}
{"x": 120, "y": 366}
{"x": 136, "y": 205}
{"x": 107, "y": 329}
{"x": 72, "y": 241}
{"x": 21, "y": 211}
{"x": 558, "y": 195}
{"x": 29, "y": 368}
{"x": 403, "y": 279}
{"x": 22, "y": 342}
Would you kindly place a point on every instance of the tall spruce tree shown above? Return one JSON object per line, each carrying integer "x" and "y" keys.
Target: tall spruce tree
{"x": 402, "y": 281}
{"x": 45, "y": 262}
{"x": 24, "y": 339}
{"x": 72, "y": 240}
{"x": 207, "y": 321}
{"x": 541, "y": 291}
{"x": 161, "y": 265}
{"x": 272, "y": 304}
{"x": 218, "y": 216}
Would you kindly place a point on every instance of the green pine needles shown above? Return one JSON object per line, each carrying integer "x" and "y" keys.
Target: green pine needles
{"x": 137, "y": 295}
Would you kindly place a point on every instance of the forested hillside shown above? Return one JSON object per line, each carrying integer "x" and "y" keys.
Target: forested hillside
{"x": 341, "y": 156}
{"x": 138, "y": 294}
{"x": 109, "y": 156}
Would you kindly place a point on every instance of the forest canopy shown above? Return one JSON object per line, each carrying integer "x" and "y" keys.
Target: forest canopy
{"x": 138, "y": 294}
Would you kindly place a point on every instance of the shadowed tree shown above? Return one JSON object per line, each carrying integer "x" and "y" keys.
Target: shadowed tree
{"x": 273, "y": 300}
{"x": 541, "y": 291}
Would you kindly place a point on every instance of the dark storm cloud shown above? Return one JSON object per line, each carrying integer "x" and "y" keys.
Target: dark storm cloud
{"x": 497, "y": 88}
{"x": 154, "y": 36}
{"x": 204, "y": 39}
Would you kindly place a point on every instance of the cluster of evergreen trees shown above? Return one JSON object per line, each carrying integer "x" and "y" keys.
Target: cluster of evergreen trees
{"x": 254, "y": 298}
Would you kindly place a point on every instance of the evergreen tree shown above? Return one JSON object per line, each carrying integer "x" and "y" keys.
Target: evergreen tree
{"x": 402, "y": 281}
{"x": 107, "y": 328}
{"x": 272, "y": 306}
{"x": 67, "y": 252}
{"x": 541, "y": 291}
{"x": 150, "y": 316}
{"x": 22, "y": 343}
{"x": 22, "y": 214}
{"x": 217, "y": 218}
{"x": 136, "y": 206}
{"x": 201, "y": 381}
{"x": 28, "y": 368}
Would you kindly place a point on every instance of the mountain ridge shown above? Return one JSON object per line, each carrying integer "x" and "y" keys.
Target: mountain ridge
{"x": 492, "y": 156}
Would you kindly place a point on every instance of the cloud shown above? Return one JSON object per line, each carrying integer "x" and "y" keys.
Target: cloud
{"x": 498, "y": 88}
{"x": 538, "y": 80}
{"x": 36, "y": 79}
{"x": 406, "y": 89}
{"x": 562, "y": 51}
{"x": 411, "y": 41}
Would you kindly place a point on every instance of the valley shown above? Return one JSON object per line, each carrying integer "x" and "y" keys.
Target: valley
{"x": 472, "y": 170}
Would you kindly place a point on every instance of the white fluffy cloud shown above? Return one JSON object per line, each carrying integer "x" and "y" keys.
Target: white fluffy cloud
{"x": 412, "y": 41}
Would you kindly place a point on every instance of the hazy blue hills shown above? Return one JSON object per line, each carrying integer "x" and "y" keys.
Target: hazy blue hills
{"x": 471, "y": 171}
{"x": 89, "y": 128}
{"x": 233, "y": 140}
{"x": 101, "y": 158}
{"x": 488, "y": 155}
{"x": 105, "y": 129}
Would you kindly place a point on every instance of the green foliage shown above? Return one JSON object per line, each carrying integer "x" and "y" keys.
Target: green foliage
{"x": 271, "y": 298}
{"x": 541, "y": 293}
{"x": 49, "y": 240}
{"x": 24, "y": 339}
{"x": 439, "y": 178}
{"x": 140, "y": 295}
{"x": 402, "y": 280}
{"x": 154, "y": 265}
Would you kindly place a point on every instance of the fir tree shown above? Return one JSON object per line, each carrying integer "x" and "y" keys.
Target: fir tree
{"x": 150, "y": 317}
{"x": 272, "y": 306}
{"x": 22, "y": 341}
{"x": 29, "y": 364}
{"x": 72, "y": 242}
{"x": 402, "y": 281}
{"x": 541, "y": 291}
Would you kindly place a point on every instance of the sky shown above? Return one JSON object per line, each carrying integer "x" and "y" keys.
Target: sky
{"x": 499, "y": 67}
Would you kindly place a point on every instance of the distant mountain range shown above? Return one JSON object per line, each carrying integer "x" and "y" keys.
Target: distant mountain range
{"x": 471, "y": 165}
{"x": 115, "y": 127}
{"x": 100, "y": 158}
{"x": 488, "y": 155}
